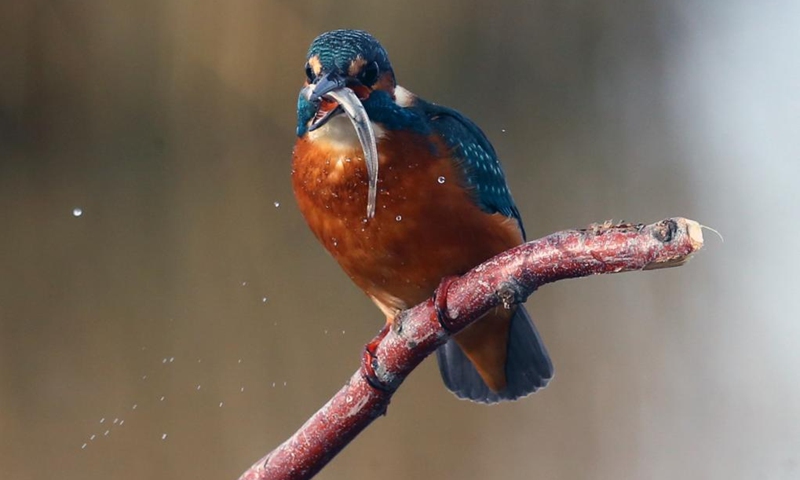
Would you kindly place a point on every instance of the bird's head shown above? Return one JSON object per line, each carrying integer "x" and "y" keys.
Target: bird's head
{"x": 337, "y": 60}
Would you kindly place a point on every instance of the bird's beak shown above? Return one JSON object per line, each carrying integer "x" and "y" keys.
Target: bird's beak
{"x": 328, "y": 83}
{"x": 333, "y": 96}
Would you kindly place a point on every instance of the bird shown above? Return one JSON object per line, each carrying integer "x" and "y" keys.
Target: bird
{"x": 441, "y": 206}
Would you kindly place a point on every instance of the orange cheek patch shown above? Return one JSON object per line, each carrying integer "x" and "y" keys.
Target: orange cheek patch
{"x": 361, "y": 91}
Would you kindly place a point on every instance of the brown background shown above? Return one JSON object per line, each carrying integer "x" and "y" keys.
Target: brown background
{"x": 170, "y": 123}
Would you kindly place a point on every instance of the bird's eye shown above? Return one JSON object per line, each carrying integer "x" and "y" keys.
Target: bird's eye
{"x": 309, "y": 73}
{"x": 369, "y": 74}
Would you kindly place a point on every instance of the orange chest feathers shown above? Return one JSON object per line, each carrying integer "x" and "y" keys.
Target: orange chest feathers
{"x": 426, "y": 224}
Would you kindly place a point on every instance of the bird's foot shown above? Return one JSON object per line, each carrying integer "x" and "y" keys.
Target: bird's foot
{"x": 440, "y": 303}
{"x": 369, "y": 360}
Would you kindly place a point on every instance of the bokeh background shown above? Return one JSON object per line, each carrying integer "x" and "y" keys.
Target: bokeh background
{"x": 186, "y": 322}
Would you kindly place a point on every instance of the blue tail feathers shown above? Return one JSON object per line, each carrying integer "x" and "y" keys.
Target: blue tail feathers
{"x": 528, "y": 366}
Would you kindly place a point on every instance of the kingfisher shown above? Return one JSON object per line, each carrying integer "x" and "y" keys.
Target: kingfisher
{"x": 404, "y": 193}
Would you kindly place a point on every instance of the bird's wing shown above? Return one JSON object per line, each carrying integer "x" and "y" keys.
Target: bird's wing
{"x": 477, "y": 158}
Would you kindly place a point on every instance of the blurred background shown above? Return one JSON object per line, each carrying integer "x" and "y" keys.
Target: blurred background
{"x": 165, "y": 312}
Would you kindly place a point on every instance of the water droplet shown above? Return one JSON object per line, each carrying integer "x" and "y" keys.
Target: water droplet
{"x": 503, "y": 130}
{"x": 284, "y": 384}
{"x": 171, "y": 359}
{"x": 240, "y": 361}
{"x": 77, "y": 212}
{"x": 144, "y": 377}
{"x": 263, "y": 299}
{"x": 83, "y": 446}
{"x": 134, "y": 406}
{"x": 121, "y": 422}
{"x": 273, "y": 384}
{"x": 441, "y": 179}
{"x": 220, "y": 404}
{"x": 102, "y": 419}
{"x": 198, "y": 387}
{"x": 162, "y": 398}
{"x": 342, "y": 332}
{"x": 163, "y": 436}
{"x": 277, "y": 204}
{"x": 93, "y": 437}
{"x": 105, "y": 434}
{"x": 241, "y": 389}
{"x": 164, "y": 361}
{"x": 398, "y": 218}
{"x": 244, "y": 284}
{"x": 116, "y": 421}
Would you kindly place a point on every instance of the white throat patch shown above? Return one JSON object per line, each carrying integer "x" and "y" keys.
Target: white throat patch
{"x": 340, "y": 134}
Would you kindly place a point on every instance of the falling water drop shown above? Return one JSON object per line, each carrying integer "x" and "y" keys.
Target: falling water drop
{"x": 163, "y": 436}
{"x": 277, "y": 204}
{"x": 77, "y": 212}
{"x": 441, "y": 179}
{"x": 398, "y": 218}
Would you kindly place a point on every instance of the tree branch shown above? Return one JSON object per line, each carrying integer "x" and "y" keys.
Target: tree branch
{"x": 507, "y": 278}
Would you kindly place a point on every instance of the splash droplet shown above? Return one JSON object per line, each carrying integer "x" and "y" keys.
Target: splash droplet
{"x": 441, "y": 179}
{"x": 77, "y": 212}
{"x": 398, "y": 218}
{"x": 162, "y": 398}
{"x": 263, "y": 299}
{"x": 220, "y": 404}
{"x": 163, "y": 436}
{"x": 277, "y": 204}
{"x": 83, "y": 446}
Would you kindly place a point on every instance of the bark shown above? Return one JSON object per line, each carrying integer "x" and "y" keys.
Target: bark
{"x": 505, "y": 279}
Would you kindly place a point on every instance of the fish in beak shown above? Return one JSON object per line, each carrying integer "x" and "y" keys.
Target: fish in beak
{"x": 333, "y": 96}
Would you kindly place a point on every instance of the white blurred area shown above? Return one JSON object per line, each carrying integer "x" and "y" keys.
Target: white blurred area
{"x": 735, "y": 92}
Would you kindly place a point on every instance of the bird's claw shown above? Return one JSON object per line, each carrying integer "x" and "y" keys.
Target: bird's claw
{"x": 440, "y": 303}
{"x": 369, "y": 359}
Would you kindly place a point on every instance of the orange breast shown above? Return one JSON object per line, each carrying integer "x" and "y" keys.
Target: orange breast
{"x": 426, "y": 226}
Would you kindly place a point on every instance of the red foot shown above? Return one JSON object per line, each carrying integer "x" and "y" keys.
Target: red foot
{"x": 368, "y": 361}
{"x": 440, "y": 302}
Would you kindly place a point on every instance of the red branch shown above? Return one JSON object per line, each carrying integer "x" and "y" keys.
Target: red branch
{"x": 507, "y": 278}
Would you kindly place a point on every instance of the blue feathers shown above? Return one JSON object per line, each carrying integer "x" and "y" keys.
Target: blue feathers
{"x": 338, "y": 48}
{"x": 477, "y": 158}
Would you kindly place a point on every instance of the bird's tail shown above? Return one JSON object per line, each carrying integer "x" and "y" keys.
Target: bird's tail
{"x": 528, "y": 366}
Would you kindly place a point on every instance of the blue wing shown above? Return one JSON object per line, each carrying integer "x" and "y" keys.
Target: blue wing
{"x": 477, "y": 157}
